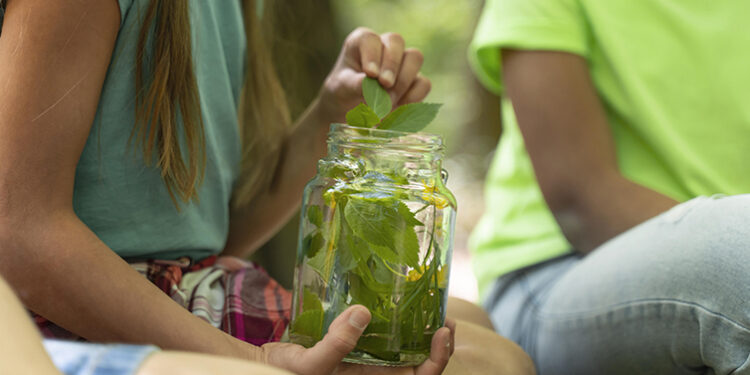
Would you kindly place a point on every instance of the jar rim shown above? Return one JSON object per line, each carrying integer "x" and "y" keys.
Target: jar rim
{"x": 430, "y": 141}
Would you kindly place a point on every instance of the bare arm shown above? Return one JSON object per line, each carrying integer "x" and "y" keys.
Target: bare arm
{"x": 571, "y": 148}
{"x": 256, "y": 223}
{"x": 54, "y": 57}
{"x": 21, "y": 349}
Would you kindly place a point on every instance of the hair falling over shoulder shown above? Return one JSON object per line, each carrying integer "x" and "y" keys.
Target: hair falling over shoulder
{"x": 168, "y": 99}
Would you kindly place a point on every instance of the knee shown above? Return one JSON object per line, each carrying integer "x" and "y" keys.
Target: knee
{"x": 706, "y": 250}
{"x": 481, "y": 351}
{"x": 464, "y": 310}
{"x": 715, "y": 232}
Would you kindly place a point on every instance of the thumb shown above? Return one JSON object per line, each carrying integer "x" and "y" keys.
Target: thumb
{"x": 341, "y": 338}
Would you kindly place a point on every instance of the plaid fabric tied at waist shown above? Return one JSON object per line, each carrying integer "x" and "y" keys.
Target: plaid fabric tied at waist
{"x": 231, "y": 294}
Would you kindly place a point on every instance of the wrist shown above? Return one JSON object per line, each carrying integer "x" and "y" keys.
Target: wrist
{"x": 315, "y": 122}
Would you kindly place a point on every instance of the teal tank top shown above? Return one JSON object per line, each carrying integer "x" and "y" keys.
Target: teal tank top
{"x": 124, "y": 201}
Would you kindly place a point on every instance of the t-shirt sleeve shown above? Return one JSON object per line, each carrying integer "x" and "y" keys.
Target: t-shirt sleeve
{"x": 551, "y": 25}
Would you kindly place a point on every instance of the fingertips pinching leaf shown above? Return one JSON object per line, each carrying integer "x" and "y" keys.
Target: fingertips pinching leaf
{"x": 376, "y": 97}
{"x": 376, "y": 111}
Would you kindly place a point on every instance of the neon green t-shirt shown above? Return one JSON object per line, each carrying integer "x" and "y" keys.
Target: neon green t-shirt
{"x": 674, "y": 79}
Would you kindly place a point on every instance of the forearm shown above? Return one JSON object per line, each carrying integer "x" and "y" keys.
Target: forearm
{"x": 21, "y": 349}
{"x": 63, "y": 272}
{"x": 604, "y": 206}
{"x": 568, "y": 138}
{"x": 255, "y": 224}
{"x": 197, "y": 364}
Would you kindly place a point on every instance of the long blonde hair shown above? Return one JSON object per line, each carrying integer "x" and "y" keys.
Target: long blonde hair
{"x": 168, "y": 100}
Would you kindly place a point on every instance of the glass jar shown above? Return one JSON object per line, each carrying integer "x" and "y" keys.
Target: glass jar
{"x": 377, "y": 230}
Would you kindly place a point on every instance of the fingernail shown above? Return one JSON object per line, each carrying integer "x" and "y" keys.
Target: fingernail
{"x": 359, "y": 319}
{"x": 387, "y": 76}
{"x": 373, "y": 68}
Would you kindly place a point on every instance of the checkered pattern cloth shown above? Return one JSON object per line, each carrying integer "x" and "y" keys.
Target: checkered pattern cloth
{"x": 231, "y": 294}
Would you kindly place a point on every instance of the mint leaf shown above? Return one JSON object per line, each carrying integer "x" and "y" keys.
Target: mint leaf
{"x": 408, "y": 215}
{"x": 352, "y": 245}
{"x": 310, "y": 301}
{"x": 376, "y": 97}
{"x": 381, "y": 223}
{"x": 408, "y": 248}
{"x": 315, "y": 216}
{"x": 312, "y": 243}
{"x": 410, "y": 117}
{"x": 374, "y": 220}
{"x": 309, "y": 323}
{"x": 362, "y": 116}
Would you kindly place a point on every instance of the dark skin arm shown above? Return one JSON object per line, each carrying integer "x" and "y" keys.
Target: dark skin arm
{"x": 570, "y": 144}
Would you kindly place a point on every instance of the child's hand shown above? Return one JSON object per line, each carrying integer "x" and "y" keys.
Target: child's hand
{"x": 325, "y": 357}
{"x": 379, "y": 56}
{"x": 442, "y": 348}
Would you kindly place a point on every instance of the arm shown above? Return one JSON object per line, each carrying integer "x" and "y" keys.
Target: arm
{"x": 571, "y": 148}
{"x": 21, "y": 349}
{"x": 363, "y": 53}
{"x": 54, "y": 57}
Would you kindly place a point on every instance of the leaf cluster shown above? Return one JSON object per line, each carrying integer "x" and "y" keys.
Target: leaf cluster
{"x": 376, "y": 111}
{"x": 364, "y": 251}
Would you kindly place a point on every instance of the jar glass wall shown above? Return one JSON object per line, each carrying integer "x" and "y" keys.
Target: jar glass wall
{"x": 377, "y": 230}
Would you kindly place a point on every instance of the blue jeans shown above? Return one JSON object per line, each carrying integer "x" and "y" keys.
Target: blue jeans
{"x": 77, "y": 358}
{"x": 670, "y": 296}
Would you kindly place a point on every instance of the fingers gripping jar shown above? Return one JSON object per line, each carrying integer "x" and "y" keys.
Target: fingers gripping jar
{"x": 377, "y": 230}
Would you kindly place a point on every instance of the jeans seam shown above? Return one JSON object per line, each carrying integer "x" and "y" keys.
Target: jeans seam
{"x": 645, "y": 301}
{"x": 741, "y": 365}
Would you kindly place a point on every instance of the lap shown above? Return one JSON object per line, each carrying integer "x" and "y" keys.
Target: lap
{"x": 671, "y": 292}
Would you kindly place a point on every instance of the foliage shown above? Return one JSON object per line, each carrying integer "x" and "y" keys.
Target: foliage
{"x": 377, "y": 111}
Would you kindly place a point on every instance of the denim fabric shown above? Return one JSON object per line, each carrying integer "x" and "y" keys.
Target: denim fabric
{"x": 77, "y": 358}
{"x": 670, "y": 296}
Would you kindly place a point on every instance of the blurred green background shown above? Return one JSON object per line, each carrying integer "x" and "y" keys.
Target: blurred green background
{"x": 307, "y": 38}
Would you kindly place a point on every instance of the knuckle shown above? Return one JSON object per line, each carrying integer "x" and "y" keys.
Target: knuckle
{"x": 361, "y": 32}
{"x": 356, "y": 35}
{"x": 415, "y": 54}
{"x": 392, "y": 60}
{"x": 394, "y": 38}
{"x": 342, "y": 343}
{"x": 427, "y": 84}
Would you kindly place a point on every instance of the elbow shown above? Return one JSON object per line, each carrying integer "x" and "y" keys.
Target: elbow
{"x": 566, "y": 205}
{"x": 572, "y": 199}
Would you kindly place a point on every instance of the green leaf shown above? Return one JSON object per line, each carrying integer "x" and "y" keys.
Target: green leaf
{"x": 410, "y": 117}
{"x": 312, "y": 243}
{"x": 362, "y": 116}
{"x": 315, "y": 216}
{"x": 349, "y": 243}
{"x": 318, "y": 263}
{"x": 376, "y": 97}
{"x": 380, "y": 222}
{"x": 310, "y": 301}
{"x": 408, "y": 215}
{"x": 361, "y": 293}
{"x": 309, "y": 323}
